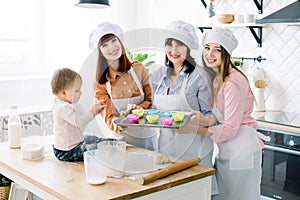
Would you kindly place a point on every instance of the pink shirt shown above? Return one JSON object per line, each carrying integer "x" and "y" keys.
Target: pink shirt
{"x": 69, "y": 121}
{"x": 235, "y": 103}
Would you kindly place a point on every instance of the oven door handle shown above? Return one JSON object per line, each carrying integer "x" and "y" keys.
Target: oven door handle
{"x": 288, "y": 151}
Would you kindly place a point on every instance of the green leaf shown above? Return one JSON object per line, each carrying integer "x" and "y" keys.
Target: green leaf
{"x": 151, "y": 55}
{"x": 236, "y": 62}
{"x": 149, "y": 63}
{"x": 5, "y": 182}
{"x": 145, "y": 56}
{"x": 130, "y": 55}
{"x": 141, "y": 57}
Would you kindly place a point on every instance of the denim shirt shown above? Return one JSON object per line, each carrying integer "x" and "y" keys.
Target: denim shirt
{"x": 198, "y": 88}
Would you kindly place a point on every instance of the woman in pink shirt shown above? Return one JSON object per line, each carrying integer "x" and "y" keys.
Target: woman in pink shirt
{"x": 238, "y": 164}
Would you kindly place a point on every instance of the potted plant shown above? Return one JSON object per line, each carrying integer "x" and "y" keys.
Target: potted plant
{"x": 236, "y": 62}
{"x": 141, "y": 57}
{"x": 4, "y": 187}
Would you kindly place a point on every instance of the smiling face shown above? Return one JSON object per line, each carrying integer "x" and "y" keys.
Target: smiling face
{"x": 176, "y": 52}
{"x": 212, "y": 56}
{"x": 111, "y": 49}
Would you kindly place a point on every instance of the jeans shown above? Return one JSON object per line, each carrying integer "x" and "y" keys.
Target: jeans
{"x": 76, "y": 154}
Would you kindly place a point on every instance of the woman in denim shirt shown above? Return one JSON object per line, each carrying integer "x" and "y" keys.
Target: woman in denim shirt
{"x": 182, "y": 85}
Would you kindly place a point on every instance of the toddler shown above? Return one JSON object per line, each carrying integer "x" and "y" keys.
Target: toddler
{"x": 70, "y": 118}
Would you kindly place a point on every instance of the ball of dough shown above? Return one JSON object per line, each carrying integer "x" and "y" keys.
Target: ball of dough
{"x": 162, "y": 159}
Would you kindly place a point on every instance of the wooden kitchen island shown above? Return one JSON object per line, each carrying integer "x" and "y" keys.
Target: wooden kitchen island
{"x": 51, "y": 179}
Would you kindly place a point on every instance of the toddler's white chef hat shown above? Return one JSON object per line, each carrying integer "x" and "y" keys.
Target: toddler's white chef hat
{"x": 183, "y": 32}
{"x": 222, "y": 36}
{"x": 103, "y": 29}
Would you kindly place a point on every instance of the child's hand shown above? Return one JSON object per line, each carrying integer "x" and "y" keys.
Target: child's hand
{"x": 98, "y": 107}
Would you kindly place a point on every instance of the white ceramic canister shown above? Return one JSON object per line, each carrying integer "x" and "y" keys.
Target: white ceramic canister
{"x": 238, "y": 18}
{"x": 249, "y": 18}
{"x": 259, "y": 103}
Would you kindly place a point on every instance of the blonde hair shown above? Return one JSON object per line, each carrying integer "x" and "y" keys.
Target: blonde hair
{"x": 62, "y": 78}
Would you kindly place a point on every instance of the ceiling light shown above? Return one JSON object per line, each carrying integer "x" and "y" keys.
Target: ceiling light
{"x": 92, "y": 3}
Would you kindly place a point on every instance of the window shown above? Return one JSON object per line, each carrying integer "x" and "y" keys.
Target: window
{"x": 21, "y": 34}
{"x": 38, "y": 37}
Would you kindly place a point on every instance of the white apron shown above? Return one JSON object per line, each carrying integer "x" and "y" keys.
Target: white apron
{"x": 137, "y": 136}
{"x": 184, "y": 145}
{"x": 238, "y": 165}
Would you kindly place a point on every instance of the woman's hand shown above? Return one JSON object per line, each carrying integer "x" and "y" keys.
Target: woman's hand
{"x": 133, "y": 106}
{"x": 198, "y": 123}
{"x": 192, "y": 125}
{"x": 197, "y": 118}
{"x": 188, "y": 128}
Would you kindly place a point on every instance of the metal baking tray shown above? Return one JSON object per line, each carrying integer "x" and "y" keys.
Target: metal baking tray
{"x": 124, "y": 122}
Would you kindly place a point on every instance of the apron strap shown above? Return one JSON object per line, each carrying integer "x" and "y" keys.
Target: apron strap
{"x": 108, "y": 88}
{"x": 135, "y": 78}
{"x": 159, "y": 82}
{"x": 137, "y": 81}
{"x": 182, "y": 96}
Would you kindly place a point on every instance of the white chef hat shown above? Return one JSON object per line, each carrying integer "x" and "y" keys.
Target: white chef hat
{"x": 183, "y": 32}
{"x": 222, "y": 36}
{"x": 103, "y": 29}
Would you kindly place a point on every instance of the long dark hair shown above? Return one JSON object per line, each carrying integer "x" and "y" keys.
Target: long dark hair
{"x": 102, "y": 65}
{"x": 189, "y": 60}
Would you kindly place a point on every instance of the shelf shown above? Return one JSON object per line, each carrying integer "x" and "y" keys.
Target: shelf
{"x": 258, "y": 3}
{"x": 233, "y": 25}
{"x": 204, "y": 3}
{"x": 255, "y": 29}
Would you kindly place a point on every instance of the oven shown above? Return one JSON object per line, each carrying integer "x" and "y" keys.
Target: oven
{"x": 280, "y": 165}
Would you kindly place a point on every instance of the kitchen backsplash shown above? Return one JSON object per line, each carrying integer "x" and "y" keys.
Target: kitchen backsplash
{"x": 35, "y": 123}
{"x": 281, "y": 48}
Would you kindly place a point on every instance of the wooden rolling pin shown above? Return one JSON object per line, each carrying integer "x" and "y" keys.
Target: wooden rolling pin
{"x": 171, "y": 169}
